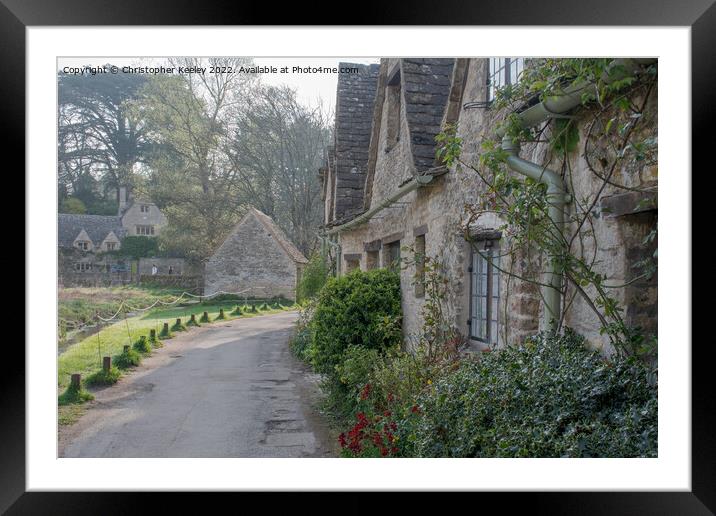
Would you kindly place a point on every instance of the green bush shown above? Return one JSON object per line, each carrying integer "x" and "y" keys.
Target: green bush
{"x": 551, "y": 397}
{"x": 142, "y": 345}
{"x": 103, "y": 377}
{"x": 73, "y": 395}
{"x": 139, "y": 246}
{"x": 313, "y": 278}
{"x": 127, "y": 359}
{"x": 264, "y": 307}
{"x": 253, "y": 309}
{"x": 358, "y": 309}
{"x": 165, "y": 333}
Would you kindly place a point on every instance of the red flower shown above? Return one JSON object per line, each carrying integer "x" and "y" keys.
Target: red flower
{"x": 414, "y": 409}
{"x": 342, "y": 440}
{"x": 365, "y": 392}
{"x": 390, "y": 396}
{"x": 386, "y": 413}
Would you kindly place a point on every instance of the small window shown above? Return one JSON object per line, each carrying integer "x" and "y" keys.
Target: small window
{"x": 352, "y": 262}
{"x": 420, "y": 266}
{"x": 393, "y": 98}
{"x": 484, "y": 291}
{"x": 145, "y": 230}
{"x": 111, "y": 246}
{"x": 144, "y": 208}
{"x": 83, "y": 244}
{"x": 503, "y": 71}
{"x": 391, "y": 255}
{"x": 372, "y": 260}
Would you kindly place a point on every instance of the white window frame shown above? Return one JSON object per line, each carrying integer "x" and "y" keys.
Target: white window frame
{"x": 503, "y": 71}
{"x": 484, "y": 321}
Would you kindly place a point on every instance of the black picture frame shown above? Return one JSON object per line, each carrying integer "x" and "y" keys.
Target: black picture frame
{"x": 700, "y": 15}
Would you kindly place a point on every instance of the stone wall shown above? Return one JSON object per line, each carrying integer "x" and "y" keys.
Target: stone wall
{"x": 252, "y": 259}
{"x": 134, "y": 217}
{"x": 614, "y": 242}
{"x": 178, "y": 265}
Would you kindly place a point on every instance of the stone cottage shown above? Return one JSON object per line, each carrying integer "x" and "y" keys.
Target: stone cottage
{"x": 256, "y": 259}
{"x": 387, "y": 197}
{"x": 85, "y": 242}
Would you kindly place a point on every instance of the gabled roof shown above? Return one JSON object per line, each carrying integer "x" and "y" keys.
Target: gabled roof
{"x": 354, "y": 115}
{"x": 426, "y": 86}
{"x": 70, "y": 225}
{"x": 280, "y": 237}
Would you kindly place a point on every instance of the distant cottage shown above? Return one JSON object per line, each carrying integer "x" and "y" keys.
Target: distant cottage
{"x": 83, "y": 242}
{"x": 256, "y": 258}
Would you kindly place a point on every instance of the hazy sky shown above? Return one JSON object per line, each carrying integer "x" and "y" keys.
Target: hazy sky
{"x": 310, "y": 87}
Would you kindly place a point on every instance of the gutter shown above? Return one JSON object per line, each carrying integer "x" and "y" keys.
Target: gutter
{"x": 414, "y": 183}
{"x": 557, "y": 196}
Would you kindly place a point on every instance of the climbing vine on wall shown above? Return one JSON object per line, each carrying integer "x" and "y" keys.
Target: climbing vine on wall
{"x": 616, "y": 130}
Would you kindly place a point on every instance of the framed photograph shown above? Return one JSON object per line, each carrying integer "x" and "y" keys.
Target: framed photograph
{"x": 260, "y": 253}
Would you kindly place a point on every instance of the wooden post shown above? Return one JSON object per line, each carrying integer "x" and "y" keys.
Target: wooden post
{"x": 206, "y": 315}
{"x": 106, "y": 364}
{"x": 152, "y": 334}
{"x": 75, "y": 381}
{"x": 221, "y": 313}
{"x": 193, "y": 318}
{"x": 165, "y": 329}
{"x": 126, "y": 348}
{"x": 179, "y": 321}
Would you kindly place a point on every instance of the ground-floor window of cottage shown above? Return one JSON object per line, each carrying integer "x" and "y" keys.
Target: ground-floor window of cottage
{"x": 484, "y": 291}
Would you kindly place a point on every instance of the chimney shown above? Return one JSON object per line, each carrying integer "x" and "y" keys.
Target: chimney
{"x": 122, "y": 199}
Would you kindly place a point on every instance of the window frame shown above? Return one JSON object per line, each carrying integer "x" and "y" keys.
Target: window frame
{"x": 489, "y": 247}
{"x": 506, "y": 66}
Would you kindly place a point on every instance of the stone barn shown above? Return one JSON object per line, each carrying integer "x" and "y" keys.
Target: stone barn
{"x": 256, "y": 258}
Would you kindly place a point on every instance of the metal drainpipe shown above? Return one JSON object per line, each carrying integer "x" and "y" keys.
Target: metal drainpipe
{"x": 557, "y": 197}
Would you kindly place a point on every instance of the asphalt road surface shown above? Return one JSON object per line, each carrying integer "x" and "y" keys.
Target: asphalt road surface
{"x": 229, "y": 389}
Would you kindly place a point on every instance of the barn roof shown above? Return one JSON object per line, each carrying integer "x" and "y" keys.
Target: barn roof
{"x": 280, "y": 236}
{"x": 97, "y": 227}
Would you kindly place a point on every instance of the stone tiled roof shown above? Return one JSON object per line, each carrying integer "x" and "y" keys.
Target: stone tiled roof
{"x": 97, "y": 227}
{"x": 354, "y": 116}
{"x": 279, "y": 236}
{"x": 426, "y": 86}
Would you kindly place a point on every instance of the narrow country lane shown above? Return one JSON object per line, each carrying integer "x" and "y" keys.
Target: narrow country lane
{"x": 228, "y": 389}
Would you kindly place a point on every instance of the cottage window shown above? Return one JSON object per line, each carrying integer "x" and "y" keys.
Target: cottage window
{"x": 352, "y": 261}
{"x": 83, "y": 267}
{"x": 393, "y": 98}
{"x": 144, "y": 208}
{"x": 503, "y": 71}
{"x": 372, "y": 259}
{"x": 83, "y": 244}
{"x": 111, "y": 246}
{"x": 484, "y": 291}
{"x": 420, "y": 266}
{"x": 391, "y": 255}
{"x": 145, "y": 230}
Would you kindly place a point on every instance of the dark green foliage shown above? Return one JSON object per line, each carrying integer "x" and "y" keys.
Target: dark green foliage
{"x": 128, "y": 358}
{"x": 313, "y": 278}
{"x": 264, "y": 307}
{"x": 237, "y": 311}
{"x": 205, "y": 317}
{"x": 178, "y": 326}
{"x": 192, "y": 321}
{"x": 549, "y": 398}
{"x": 358, "y": 309}
{"x": 103, "y": 377}
{"x": 138, "y": 246}
{"x": 142, "y": 345}
{"x": 74, "y": 395}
